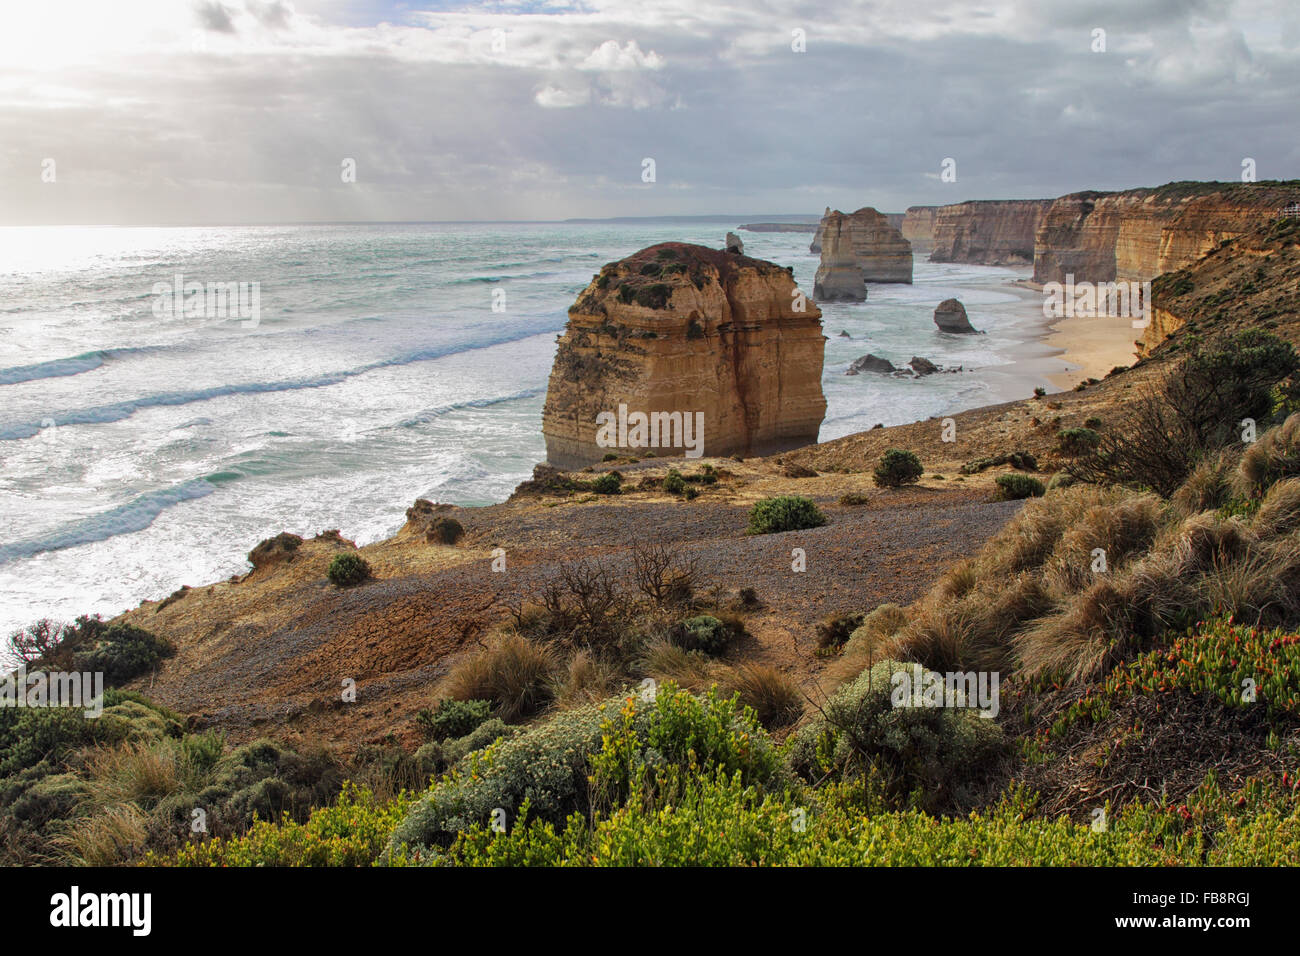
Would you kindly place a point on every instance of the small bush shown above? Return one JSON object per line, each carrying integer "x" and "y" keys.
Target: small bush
{"x": 1077, "y": 441}
{"x": 674, "y": 483}
{"x": 924, "y": 754}
{"x": 453, "y": 718}
{"x": 834, "y": 631}
{"x": 609, "y": 483}
{"x": 123, "y": 652}
{"x": 348, "y": 569}
{"x": 897, "y": 468}
{"x": 1013, "y": 487}
{"x": 854, "y": 498}
{"x": 704, "y": 633}
{"x": 784, "y": 513}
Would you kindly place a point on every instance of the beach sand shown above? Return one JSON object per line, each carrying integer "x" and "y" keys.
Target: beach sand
{"x": 1092, "y": 347}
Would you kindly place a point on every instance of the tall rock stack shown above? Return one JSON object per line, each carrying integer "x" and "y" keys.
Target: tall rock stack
{"x": 867, "y": 239}
{"x": 816, "y": 244}
{"x": 680, "y": 349}
{"x": 839, "y": 277}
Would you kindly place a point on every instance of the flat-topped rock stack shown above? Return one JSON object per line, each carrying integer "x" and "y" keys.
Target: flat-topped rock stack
{"x": 683, "y": 350}
{"x": 867, "y": 241}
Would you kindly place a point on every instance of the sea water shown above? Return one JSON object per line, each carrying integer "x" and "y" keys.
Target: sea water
{"x": 142, "y": 448}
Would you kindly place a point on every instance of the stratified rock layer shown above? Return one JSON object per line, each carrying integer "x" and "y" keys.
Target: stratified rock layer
{"x": 1135, "y": 235}
{"x": 839, "y": 276}
{"x": 676, "y": 328}
{"x": 873, "y": 243}
{"x": 918, "y": 227}
{"x": 993, "y": 232}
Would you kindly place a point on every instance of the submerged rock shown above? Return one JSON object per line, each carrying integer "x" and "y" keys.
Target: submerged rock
{"x": 922, "y": 366}
{"x": 871, "y": 363}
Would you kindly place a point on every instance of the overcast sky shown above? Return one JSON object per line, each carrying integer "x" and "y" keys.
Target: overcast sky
{"x": 165, "y": 111}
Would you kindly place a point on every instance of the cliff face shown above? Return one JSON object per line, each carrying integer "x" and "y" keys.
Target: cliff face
{"x": 1252, "y": 281}
{"x": 685, "y": 350}
{"x": 990, "y": 233}
{"x": 816, "y": 244}
{"x": 878, "y": 248}
{"x": 918, "y": 225}
{"x": 1138, "y": 234}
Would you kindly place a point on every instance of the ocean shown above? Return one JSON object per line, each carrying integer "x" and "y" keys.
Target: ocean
{"x": 142, "y": 449}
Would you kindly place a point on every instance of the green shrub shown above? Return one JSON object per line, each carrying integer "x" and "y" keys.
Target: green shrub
{"x": 784, "y": 513}
{"x": 1012, "y": 487}
{"x": 704, "y": 633}
{"x": 674, "y": 483}
{"x": 453, "y": 718}
{"x": 897, "y": 468}
{"x": 923, "y": 754}
{"x": 854, "y": 498}
{"x": 834, "y": 631}
{"x": 124, "y": 651}
{"x": 352, "y": 832}
{"x": 608, "y": 483}
{"x": 610, "y": 456}
{"x": 1077, "y": 441}
{"x": 1094, "y": 423}
{"x": 348, "y": 569}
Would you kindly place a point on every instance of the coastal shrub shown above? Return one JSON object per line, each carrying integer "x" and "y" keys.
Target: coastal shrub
{"x": 1015, "y": 486}
{"x": 784, "y": 513}
{"x": 453, "y": 718}
{"x": 610, "y": 456}
{"x": 653, "y": 296}
{"x": 854, "y": 498}
{"x": 674, "y": 483}
{"x": 1194, "y": 411}
{"x": 647, "y": 746}
{"x": 1077, "y": 441}
{"x": 1021, "y": 460}
{"x": 704, "y": 633}
{"x": 923, "y": 754}
{"x": 348, "y": 569}
{"x": 513, "y": 673}
{"x": 1062, "y": 479}
{"x": 692, "y": 670}
{"x": 607, "y": 484}
{"x": 897, "y": 468}
{"x": 54, "y": 644}
{"x": 123, "y": 651}
{"x": 351, "y": 832}
{"x": 1039, "y": 392}
{"x": 881, "y": 623}
{"x": 1093, "y": 422}
{"x": 443, "y": 530}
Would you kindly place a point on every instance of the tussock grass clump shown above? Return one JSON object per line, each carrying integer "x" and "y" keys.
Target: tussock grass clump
{"x": 514, "y": 673}
{"x": 773, "y": 695}
{"x": 1276, "y": 455}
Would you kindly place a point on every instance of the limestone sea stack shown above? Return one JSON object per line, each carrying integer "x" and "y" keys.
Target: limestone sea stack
{"x": 877, "y": 246}
{"x": 683, "y": 350}
{"x": 816, "y": 244}
{"x": 839, "y": 277}
{"x": 950, "y": 316}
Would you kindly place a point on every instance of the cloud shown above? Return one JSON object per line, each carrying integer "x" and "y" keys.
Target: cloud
{"x": 555, "y": 120}
{"x": 610, "y": 56}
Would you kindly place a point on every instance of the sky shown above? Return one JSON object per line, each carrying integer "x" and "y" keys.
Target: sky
{"x": 215, "y": 111}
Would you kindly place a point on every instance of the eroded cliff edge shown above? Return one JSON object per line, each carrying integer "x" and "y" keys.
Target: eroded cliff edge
{"x": 683, "y": 334}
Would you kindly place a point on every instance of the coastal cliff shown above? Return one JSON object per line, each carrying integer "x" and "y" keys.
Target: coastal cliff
{"x": 1138, "y": 234}
{"x": 987, "y": 232}
{"x": 706, "y": 352}
{"x": 917, "y": 226}
{"x": 1251, "y": 281}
